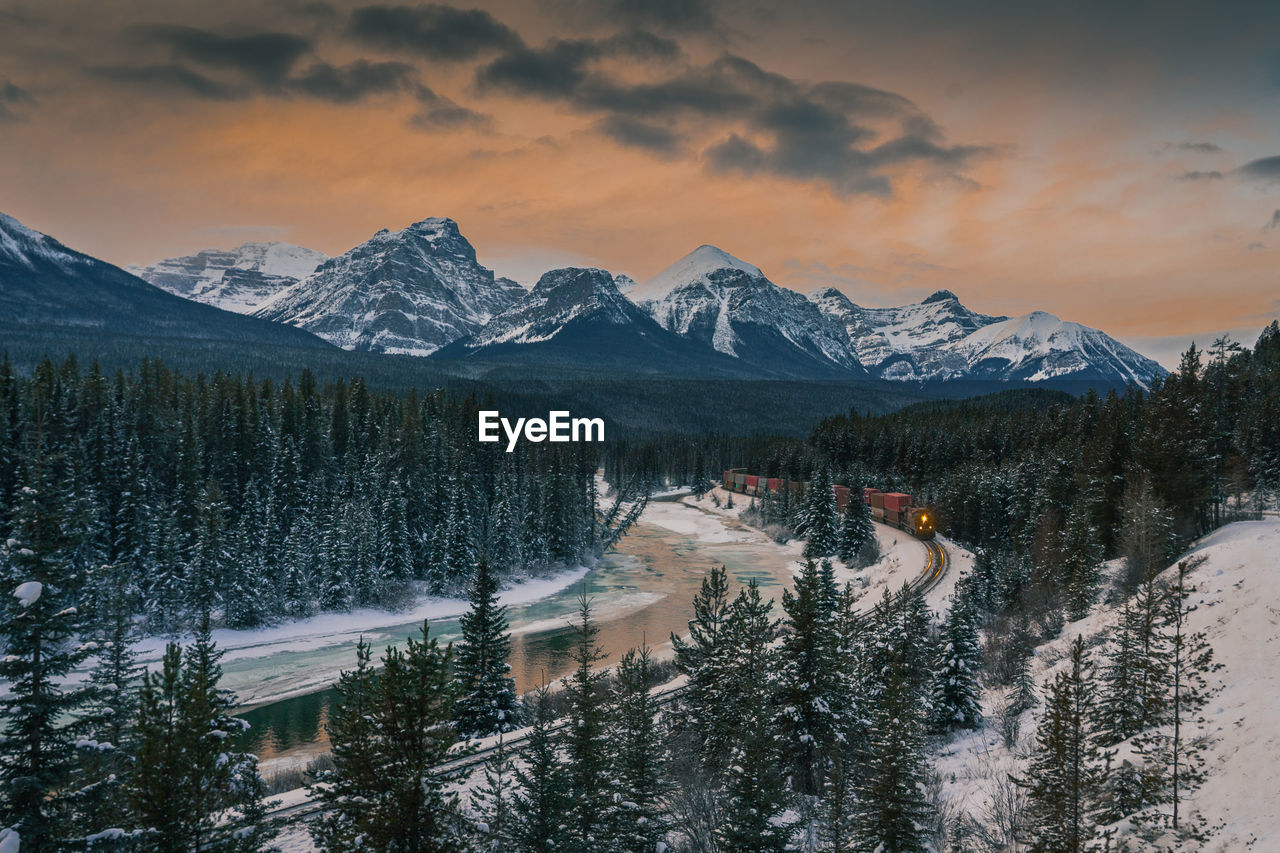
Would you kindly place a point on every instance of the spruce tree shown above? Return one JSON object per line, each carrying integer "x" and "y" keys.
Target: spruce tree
{"x": 487, "y": 701}
{"x": 819, "y": 522}
{"x": 584, "y": 738}
{"x": 539, "y": 808}
{"x": 956, "y": 692}
{"x": 755, "y": 794}
{"x": 41, "y": 714}
{"x": 1065, "y": 779}
{"x": 637, "y": 771}
{"x": 857, "y": 531}
{"x": 807, "y": 695}
{"x": 492, "y": 802}
{"x": 705, "y": 658}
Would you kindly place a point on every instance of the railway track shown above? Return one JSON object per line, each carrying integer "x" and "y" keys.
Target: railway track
{"x": 937, "y": 562}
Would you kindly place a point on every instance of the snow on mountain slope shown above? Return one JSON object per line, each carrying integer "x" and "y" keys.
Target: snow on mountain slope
{"x": 1039, "y": 346}
{"x": 1237, "y": 591}
{"x": 407, "y": 292}
{"x": 239, "y": 279}
{"x": 941, "y": 339}
{"x": 728, "y": 304}
{"x": 559, "y": 298}
{"x": 695, "y": 266}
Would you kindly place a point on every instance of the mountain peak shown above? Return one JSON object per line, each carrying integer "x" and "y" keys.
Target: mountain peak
{"x": 940, "y": 296}
{"x": 693, "y": 267}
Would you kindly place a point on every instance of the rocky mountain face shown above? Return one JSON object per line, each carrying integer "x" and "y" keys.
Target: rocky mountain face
{"x": 407, "y": 292}
{"x": 49, "y": 289}
{"x": 578, "y": 318}
{"x": 239, "y": 279}
{"x": 940, "y": 339}
{"x": 714, "y": 298}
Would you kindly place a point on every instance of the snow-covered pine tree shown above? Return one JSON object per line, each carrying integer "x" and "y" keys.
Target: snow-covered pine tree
{"x": 357, "y": 766}
{"x": 705, "y": 713}
{"x": 807, "y": 684}
{"x": 857, "y": 531}
{"x": 818, "y": 520}
{"x": 211, "y": 558}
{"x": 1081, "y": 563}
{"x": 584, "y": 740}
{"x": 1065, "y": 780}
{"x": 755, "y": 794}
{"x": 188, "y": 790}
{"x": 491, "y": 803}
{"x": 540, "y": 805}
{"x": 956, "y": 692}
{"x": 487, "y": 702}
{"x": 40, "y": 715}
{"x": 891, "y": 813}
{"x": 1173, "y": 751}
{"x": 638, "y": 821}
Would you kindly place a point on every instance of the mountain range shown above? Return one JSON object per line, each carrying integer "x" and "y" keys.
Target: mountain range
{"x": 422, "y": 291}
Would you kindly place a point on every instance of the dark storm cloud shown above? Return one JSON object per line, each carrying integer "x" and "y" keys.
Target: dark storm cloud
{"x": 354, "y": 82}
{"x": 1211, "y": 175}
{"x": 556, "y": 70}
{"x": 13, "y": 95}
{"x": 266, "y": 58}
{"x": 431, "y": 30}
{"x": 832, "y": 132}
{"x": 1265, "y": 170}
{"x": 171, "y": 79}
{"x": 448, "y": 116}
{"x": 640, "y": 44}
{"x": 677, "y": 16}
{"x": 654, "y": 138}
{"x": 1199, "y": 147}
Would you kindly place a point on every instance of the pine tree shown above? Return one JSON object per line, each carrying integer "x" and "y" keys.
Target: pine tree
{"x": 1064, "y": 780}
{"x": 807, "y": 682}
{"x": 1081, "y": 562}
{"x": 705, "y": 658}
{"x": 956, "y": 692}
{"x": 187, "y": 790}
{"x": 755, "y": 792}
{"x": 384, "y": 791}
{"x": 210, "y": 556}
{"x": 584, "y": 739}
{"x": 857, "y": 532}
{"x": 891, "y": 812}
{"x": 540, "y": 806}
{"x": 819, "y": 522}
{"x": 40, "y": 716}
{"x": 492, "y": 802}
{"x": 487, "y": 701}
{"x": 1173, "y": 751}
{"x": 638, "y": 820}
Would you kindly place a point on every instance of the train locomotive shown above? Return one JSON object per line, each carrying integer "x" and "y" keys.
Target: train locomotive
{"x": 892, "y": 508}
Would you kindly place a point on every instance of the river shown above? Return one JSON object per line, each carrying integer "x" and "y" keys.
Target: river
{"x": 641, "y": 592}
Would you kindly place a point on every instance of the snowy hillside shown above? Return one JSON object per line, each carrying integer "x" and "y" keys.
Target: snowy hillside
{"x": 558, "y": 299}
{"x": 408, "y": 292}
{"x": 1237, "y": 591}
{"x": 941, "y": 339}
{"x": 239, "y": 279}
{"x": 728, "y": 304}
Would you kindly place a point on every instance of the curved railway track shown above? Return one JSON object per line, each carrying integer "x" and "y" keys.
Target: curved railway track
{"x": 937, "y": 562}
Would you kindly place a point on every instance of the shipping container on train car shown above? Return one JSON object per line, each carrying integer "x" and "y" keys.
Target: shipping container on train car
{"x": 739, "y": 482}
{"x": 893, "y": 517}
{"x": 775, "y": 483}
{"x": 727, "y": 479}
{"x": 753, "y": 484}
{"x": 877, "y": 512}
{"x": 896, "y": 501}
{"x": 842, "y": 497}
{"x": 877, "y": 500}
{"x": 868, "y": 492}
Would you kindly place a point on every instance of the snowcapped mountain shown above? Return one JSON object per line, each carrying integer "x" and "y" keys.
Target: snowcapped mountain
{"x": 941, "y": 339}
{"x": 239, "y": 279}
{"x": 1039, "y": 347}
{"x": 408, "y": 292}
{"x": 48, "y": 290}
{"x": 578, "y": 318}
{"x": 729, "y": 304}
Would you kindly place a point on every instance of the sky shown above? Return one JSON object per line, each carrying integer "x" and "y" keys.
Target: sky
{"x": 1114, "y": 164}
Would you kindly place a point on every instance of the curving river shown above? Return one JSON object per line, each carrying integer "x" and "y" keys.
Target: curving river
{"x": 640, "y": 592}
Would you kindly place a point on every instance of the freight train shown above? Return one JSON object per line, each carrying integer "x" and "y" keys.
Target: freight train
{"x": 892, "y": 508}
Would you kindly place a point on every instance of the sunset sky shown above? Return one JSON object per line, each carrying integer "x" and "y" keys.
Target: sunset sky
{"x": 1118, "y": 167}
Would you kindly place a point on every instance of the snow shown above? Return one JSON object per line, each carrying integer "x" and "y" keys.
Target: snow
{"x": 10, "y": 841}
{"x": 262, "y": 271}
{"x": 28, "y": 593}
{"x": 695, "y": 266}
{"x": 1238, "y": 588}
